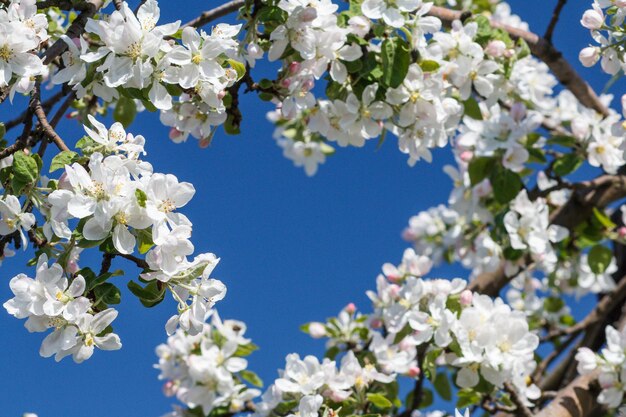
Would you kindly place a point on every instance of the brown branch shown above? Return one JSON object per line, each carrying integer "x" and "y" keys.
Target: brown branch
{"x": 520, "y": 408}
{"x": 88, "y": 9}
{"x": 578, "y": 399}
{"x": 215, "y": 13}
{"x": 544, "y": 51}
{"x": 599, "y": 313}
{"x": 48, "y": 130}
{"x": 554, "y": 20}
{"x": 118, "y": 4}
{"x": 137, "y": 261}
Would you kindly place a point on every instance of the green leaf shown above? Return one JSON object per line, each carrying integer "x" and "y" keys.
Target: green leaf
{"x": 428, "y": 65}
{"x": 246, "y": 350}
{"x": 427, "y": 398}
{"x": 125, "y": 111}
{"x": 553, "y": 304}
{"x": 62, "y": 159}
{"x": 599, "y": 258}
{"x": 396, "y": 57}
{"x": 25, "y": 171}
{"x": 480, "y": 168}
{"x": 467, "y": 397}
{"x": 251, "y": 377}
{"x": 107, "y": 294}
{"x": 150, "y": 295}
{"x": 603, "y": 219}
{"x": 563, "y": 140}
{"x": 141, "y": 197}
{"x": 442, "y": 385}
{"x": 472, "y": 109}
{"x": 144, "y": 240}
{"x": 239, "y": 67}
{"x": 285, "y": 407}
{"x": 379, "y": 400}
{"x": 3, "y": 130}
{"x": 567, "y": 164}
{"x": 506, "y": 185}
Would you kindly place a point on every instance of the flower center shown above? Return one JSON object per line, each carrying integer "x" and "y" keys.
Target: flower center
{"x": 167, "y": 206}
{"x": 134, "y": 50}
{"x": 6, "y": 53}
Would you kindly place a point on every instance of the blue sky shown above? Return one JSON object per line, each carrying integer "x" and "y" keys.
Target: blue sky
{"x": 293, "y": 249}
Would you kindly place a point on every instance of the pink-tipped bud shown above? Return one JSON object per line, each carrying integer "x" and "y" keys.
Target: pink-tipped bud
{"x": 589, "y": 56}
{"x": 593, "y": 19}
{"x": 308, "y": 15}
{"x": 394, "y": 290}
{"x": 495, "y": 48}
{"x": 466, "y": 298}
{"x": 317, "y": 330}
{"x": 221, "y": 94}
{"x": 376, "y": 324}
{"x": 175, "y": 134}
{"x": 169, "y": 389}
{"x": 518, "y": 111}
{"x": 72, "y": 267}
{"x": 466, "y": 156}
{"x": 308, "y": 85}
{"x": 350, "y": 308}
{"x": 414, "y": 372}
{"x": 294, "y": 67}
{"x": 64, "y": 182}
{"x": 286, "y": 82}
{"x": 408, "y": 235}
{"x": 622, "y": 232}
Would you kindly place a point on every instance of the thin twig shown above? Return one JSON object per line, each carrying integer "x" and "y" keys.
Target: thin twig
{"x": 43, "y": 122}
{"x": 215, "y": 13}
{"x": 554, "y": 20}
{"x": 521, "y": 408}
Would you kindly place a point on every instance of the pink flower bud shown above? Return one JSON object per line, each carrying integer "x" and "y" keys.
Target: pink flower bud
{"x": 175, "y": 134}
{"x": 466, "y": 298}
{"x": 518, "y": 111}
{"x": 622, "y": 232}
{"x": 408, "y": 235}
{"x": 294, "y": 67}
{"x": 308, "y": 15}
{"x": 308, "y": 85}
{"x": 466, "y": 156}
{"x": 64, "y": 182}
{"x": 495, "y": 48}
{"x": 286, "y": 82}
{"x": 72, "y": 267}
{"x": 350, "y": 308}
{"x": 376, "y": 324}
{"x": 317, "y": 330}
{"x": 394, "y": 290}
{"x": 593, "y": 19}
{"x": 589, "y": 56}
{"x": 169, "y": 389}
{"x": 221, "y": 94}
{"x": 414, "y": 371}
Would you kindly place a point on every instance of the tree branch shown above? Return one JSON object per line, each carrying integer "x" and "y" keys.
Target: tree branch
{"x": 76, "y": 29}
{"x": 554, "y": 20}
{"x": 544, "y": 51}
{"x": 578, "y": 399}
{"x": 215, "y": 13}
{"x": 43, "y": 122}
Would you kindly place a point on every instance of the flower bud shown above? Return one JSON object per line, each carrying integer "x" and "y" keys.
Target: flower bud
{"x": 308, "y": 15}
{"x": 622, "y": 232}
{"x": 589, "y": 56}
{"x": 466, "y": 298}
{"x": 221, "y": 94}
{"x": 175, "y": 134}
{"x": 317, "y": 330}
{"x": 376, "y": 324}
{"x": 495, "y": 48}
{"x": 350, "y": 308}
{"x": 414, "y": 372}
{"x": 204, "y": 143}
{"x": 593, "y": 19}
{"x": 169, "y": 389}
{"x": 294, "y": 67}
{"x": 518, "y": 111}
{"x": 466, "y": 156}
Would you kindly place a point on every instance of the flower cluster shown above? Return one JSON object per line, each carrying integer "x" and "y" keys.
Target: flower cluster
{"x": 611, "y": 365}
{"x": 208, "y": 370}
{"x": 22, "y": 30}
{"x": 52, "y": 301}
